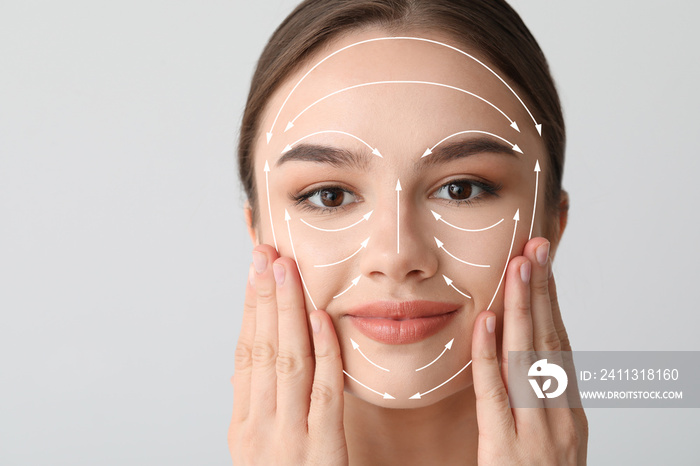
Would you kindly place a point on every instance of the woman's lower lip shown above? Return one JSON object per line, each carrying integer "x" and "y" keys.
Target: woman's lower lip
{"x": 401, "y": 332}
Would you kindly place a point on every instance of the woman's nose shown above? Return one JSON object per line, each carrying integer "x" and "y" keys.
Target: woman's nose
{"x": 401, "y": 248}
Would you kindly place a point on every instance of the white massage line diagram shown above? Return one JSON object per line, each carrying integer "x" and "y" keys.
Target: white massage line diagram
{"x": 269, "y": 135}
{"x": 356, "y": 347}
{"x": 512, "y": 123}
{"x": 374, "y": 150}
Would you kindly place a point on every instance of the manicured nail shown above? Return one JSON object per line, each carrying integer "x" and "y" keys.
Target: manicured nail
{"x": 491, "y": 324}
{"x": 251, "y": 275}
{"x": 278, "y": 272}
{"x": 315, "y": 324}
{"x": 259, "y": 261}
{"x": 525, "y": 270}
{"x": 542, "y": 254}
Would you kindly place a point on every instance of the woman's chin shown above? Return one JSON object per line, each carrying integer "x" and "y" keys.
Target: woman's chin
{"x": 404, "y": 387}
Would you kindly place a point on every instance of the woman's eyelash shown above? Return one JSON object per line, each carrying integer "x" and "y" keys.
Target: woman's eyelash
{"x": 302, "y": 200}
{"x": 488, "y": 190}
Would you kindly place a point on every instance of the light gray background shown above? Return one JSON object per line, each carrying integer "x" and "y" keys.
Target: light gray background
{"x": 123, "y": 252}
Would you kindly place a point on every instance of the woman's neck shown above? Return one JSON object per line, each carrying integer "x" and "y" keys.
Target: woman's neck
{"x": 443, "y": 433}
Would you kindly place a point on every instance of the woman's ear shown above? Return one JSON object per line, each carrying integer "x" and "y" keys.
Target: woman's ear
{"x": 249, "y": 223}
{"x": 560, "y": 221}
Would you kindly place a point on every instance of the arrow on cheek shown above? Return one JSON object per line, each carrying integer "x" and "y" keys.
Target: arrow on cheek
{"x": 287, "y": 218}
{"x": 534, "y": 208}
{"x": 516, "y": 217}
{"x": 267, "y": 189}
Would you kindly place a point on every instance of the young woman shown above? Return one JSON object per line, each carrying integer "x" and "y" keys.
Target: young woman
{"x": 402, "y": 161}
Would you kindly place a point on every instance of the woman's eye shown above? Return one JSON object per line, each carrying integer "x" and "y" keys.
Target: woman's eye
{"x": 331, "y": 198}
{"x": 461, "y": 190}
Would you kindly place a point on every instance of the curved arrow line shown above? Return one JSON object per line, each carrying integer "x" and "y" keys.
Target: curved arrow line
{"x": 364, "y": 217}
{"x": 418, "y": 395}
{"x": 354, "y": 283}
{"x": 398, "y": 216}
{"x": 447, "y": 346}
{"x": 374, "y": 150}
{"x": 362, "y": 246}
{"x": 269, "y": 209}
{"x": 441, "y": 246}
{"x": 449, "y": 283}
{"x": 287, "y": 218}
{"x": 439, "y": 218}
{"x": 515, "y": 229}
{"x": 385, "y": 395}
{"x": 514, "y": 146}
{"x": 537, "y": 125}
{"x": 534, "y": 207}
{"x": 356, "y": 86}
{"x": 355, "y": 346}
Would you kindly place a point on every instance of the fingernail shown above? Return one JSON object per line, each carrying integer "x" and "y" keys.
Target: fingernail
{"x": 542, "y": 254}
{"x": 251, "y": 275}
{"x": 491, "y": 324}
{"x": 315, "y": 324}
{"x": 525, "y": 272}
{"x": 259, "y": 261}
{"x": 278, "y": 272}
{"x": 551, "y": 271}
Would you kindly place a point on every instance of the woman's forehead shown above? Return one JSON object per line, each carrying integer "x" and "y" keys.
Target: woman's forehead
{"x": 403, "y": 93}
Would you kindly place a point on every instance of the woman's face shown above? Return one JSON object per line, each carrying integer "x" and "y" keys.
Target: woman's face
{"x": 379, "y": 224}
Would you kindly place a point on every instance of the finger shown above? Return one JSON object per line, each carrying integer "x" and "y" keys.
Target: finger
{"x": 493, "y": 412}
{"x": 263, "y": 398}
{"x": 556, "y": 313}
{"x": 244, "y": 348}
{"x": 294, "y": 361}
{"x": 326, "y": 408}
{"x": 545, "y": 334}
{"x": 518, "y": 336}
{"x": 574, "y": 397}
{"x": 545, "y": 337}
{"x": 517, "y": 321}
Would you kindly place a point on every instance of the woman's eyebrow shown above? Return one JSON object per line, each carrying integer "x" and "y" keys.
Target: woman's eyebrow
{"x": 460, "y": 149}
{"x": 343, "y": 158}
{"x": 340, "y": 158}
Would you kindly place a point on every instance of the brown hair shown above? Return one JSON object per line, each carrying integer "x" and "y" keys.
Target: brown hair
{"x": 490, "y": 26}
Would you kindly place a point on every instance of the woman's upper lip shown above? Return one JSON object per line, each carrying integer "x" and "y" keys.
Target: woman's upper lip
{"x": 402, "y": 310}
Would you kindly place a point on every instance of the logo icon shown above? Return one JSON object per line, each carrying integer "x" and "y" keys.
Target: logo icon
{"x": 542, "y": 368}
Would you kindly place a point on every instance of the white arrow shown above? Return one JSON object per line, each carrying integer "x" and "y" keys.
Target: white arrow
{"x": 534, "y": 208}
{"x": 512, "y": 123}
{"x": 364, "y": 218}
{"x": 431, "y": 149}
{"x": 449, "y": 283}
{"x": 418, "y": 395}
{"x": 439, "y": 218}
{"x": 398, "y": 216}
{"x": 355, "y": 346}
{"x": 354, "y": 283}
{"x": 290, "y": 146}
{"x": 363, "y": 245}
{"x": 440, "y": 245}
{"x": 516, "y": 217}
{"x": 447, "y": 346}
{"x": 269, "y": 209}
{"x": 385, "y": 395}
{"x": 287, "y": 218}
{"x": 269, "y": 134}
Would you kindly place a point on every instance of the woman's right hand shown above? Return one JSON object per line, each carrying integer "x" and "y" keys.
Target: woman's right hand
{"x": 288, "y": 399}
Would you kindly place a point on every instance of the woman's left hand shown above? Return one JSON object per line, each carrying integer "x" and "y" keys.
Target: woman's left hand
{"x": 531, "y": 322}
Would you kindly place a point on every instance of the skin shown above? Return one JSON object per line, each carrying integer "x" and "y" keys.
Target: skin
{"x": 292, "y": 403}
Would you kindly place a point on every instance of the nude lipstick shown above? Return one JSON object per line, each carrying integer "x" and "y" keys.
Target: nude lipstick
{"x": 401, "y": 323}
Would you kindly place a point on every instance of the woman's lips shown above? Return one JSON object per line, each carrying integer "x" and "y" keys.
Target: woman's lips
{"x": 401, "y": 323}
